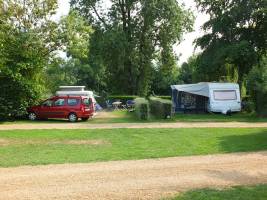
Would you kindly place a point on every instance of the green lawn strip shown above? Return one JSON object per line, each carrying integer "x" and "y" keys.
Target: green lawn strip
{"x": 129, "y": 117}
{"x": 258, "y": 192}
{"x": 36, "y": 147}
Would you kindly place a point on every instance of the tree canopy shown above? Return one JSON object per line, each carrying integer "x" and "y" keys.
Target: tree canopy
{"x": 130, "y": 34}
{"x": 235, "y": 36}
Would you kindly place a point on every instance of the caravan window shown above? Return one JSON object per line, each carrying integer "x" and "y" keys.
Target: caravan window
{"x": 224, "y": 94}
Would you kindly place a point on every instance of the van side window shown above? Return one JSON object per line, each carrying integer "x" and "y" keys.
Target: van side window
{"x": 73, "y": 102}
{"x": 59, "y": 102}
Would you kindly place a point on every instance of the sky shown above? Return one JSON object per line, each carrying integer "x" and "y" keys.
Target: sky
{"x": 185, "y": 49}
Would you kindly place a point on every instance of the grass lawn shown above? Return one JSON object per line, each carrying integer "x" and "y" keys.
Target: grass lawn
{"x": 35, "y": 147}
{"x": 127, "y": 117}
{"x": 258, "y": 192}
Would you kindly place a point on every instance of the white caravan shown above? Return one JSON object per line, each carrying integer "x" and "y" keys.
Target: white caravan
{"x": 221, "y": 97}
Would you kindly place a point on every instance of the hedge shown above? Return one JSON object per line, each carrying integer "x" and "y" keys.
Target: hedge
{"x": 165, "y": 97}
{"x": 142, "y": 108}
{"x": 160, "y": 108}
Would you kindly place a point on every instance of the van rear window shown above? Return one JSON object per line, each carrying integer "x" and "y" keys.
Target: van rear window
{"x": 73, "y": 102}
{"x": 224, "y": 94}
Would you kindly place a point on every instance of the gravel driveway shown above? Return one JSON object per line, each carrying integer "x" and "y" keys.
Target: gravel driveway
{"x": 67, "y": 125}
{"x": 142, "y": 179}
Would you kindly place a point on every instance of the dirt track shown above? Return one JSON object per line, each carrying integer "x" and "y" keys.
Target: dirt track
{"x": 68, "y": 125}
{"x": 142, "y": 179}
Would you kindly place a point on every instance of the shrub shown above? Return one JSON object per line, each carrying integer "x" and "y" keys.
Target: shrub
{"x": 160, "y": 108}
{"x": 257, "y": 85}
{"x": 142, "y": 108}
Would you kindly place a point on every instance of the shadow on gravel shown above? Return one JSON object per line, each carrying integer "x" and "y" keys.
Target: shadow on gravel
{"x": 244, "y": 143}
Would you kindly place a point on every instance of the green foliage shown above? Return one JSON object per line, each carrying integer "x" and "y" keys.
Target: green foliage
{"x": 165, "y": 73}
{"x": 257, "y": 84}
{"x": 160, "y": 108}
{"x": 129, "y": 35}
{"x": 27, "y": 39}
{"x": 235, "y": 38}
{"x": 142, "y": 109}
{"x": 187, "y": 70}
{"x": 75, "y": 35}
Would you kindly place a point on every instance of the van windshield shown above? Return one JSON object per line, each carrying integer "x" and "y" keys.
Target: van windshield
{"x": 224, "y": 95}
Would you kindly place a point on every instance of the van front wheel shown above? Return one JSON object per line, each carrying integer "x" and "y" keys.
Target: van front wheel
{"x": 73, "y": 117}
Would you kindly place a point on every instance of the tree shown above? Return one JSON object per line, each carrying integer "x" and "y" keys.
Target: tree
{"x": 235, "y": 36}
{"x": 75, "y": 36}
{"x": 130, "y": 34}
{"x": 257, "y": 84}
{"x": 188, "y": 71}
{"x": 28, "y": 40}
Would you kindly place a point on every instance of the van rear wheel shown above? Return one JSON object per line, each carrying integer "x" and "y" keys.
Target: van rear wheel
{"x": 73, "y": 117}
{"x": 32, "y": 116}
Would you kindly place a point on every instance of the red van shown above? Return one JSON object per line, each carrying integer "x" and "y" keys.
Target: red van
{"x": 68, "y": 107}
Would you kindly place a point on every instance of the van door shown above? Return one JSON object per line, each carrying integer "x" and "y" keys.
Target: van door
{"x": 58, "y": 108}
{"x": 45, "y": 109}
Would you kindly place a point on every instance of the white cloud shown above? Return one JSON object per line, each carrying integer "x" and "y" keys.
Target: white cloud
{"x": 186, "y": 47}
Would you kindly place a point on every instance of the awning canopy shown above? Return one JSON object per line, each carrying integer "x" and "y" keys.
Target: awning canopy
{"x": 201, "y": 89}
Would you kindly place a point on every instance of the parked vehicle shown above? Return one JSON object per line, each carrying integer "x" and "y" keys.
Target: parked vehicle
{"x": 68, "y": 107}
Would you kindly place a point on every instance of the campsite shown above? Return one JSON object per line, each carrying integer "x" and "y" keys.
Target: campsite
{"x": 133, "y": 99}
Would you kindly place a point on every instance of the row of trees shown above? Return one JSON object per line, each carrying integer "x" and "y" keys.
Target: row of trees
{"x": 234, "y": 47}
{"x": 125, "y": 47}
{"x": 122, "y": 48}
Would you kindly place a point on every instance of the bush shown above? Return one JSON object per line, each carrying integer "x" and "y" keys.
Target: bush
{"x": 16, "y": 96}
{"x": 257, "y": 85}
{"x": 160, "y": 108}
{"x": 142, "y": 108}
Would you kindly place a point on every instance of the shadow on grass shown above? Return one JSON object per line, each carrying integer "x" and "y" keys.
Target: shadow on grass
{"x": 257, "y": 192}
{"x": 244, "y": 143}
{"x": 217, "y": 117}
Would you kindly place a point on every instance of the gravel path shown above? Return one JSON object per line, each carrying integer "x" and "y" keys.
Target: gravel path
{"x": 68, "y": 125}
{"x": 141, "y": 179}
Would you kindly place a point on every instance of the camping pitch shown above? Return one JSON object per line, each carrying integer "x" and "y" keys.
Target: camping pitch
{"x": 212, "y": 97}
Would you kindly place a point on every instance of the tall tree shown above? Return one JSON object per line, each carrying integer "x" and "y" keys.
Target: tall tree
{"x": 130, "y": 34}
{"x": 235, "y": 36}
{"x": 28, "y": 39}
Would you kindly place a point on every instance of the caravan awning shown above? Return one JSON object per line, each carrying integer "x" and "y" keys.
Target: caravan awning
{"x": 201, "y": 89}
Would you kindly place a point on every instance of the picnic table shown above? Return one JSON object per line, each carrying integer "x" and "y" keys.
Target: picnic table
{"x": 116, "y": 105}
